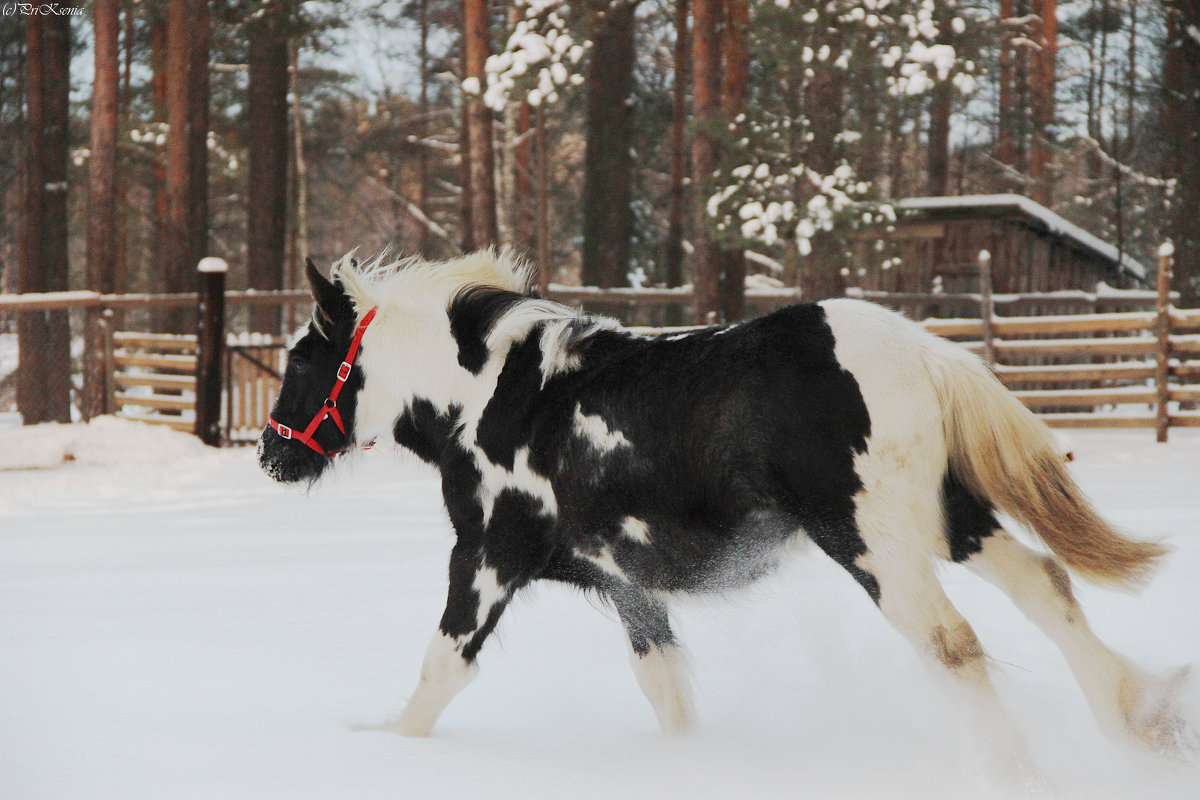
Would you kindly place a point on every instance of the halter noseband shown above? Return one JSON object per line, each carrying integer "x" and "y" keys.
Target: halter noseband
{"x": 329, "y": 408}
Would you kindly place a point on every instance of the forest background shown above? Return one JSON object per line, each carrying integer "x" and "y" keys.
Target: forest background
{"x": 615, "y": 142}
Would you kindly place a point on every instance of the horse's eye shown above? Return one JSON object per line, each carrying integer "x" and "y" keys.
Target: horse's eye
{"x": 298, "y": 365}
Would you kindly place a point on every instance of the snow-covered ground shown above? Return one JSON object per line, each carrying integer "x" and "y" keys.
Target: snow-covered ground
{"x": 173, "y": 625}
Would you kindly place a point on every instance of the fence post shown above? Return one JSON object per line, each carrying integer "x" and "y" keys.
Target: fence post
{"x": 210, "y": 339}
{"x": 107, "y": 321}
{"x": 92, "y": 402}
{"x": 1162, "y": 355}
{"x": 987, "y": 307}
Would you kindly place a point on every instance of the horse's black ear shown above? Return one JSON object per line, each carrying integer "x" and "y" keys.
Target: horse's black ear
{"x": 329, "y": 298}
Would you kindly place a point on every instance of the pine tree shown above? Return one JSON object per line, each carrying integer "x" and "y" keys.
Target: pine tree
{"x": 178, "y": 270}
{"x": 1181, "y": 101}
{"x": 479, "y": 156}
{"x": 102, "y": 161}
{"x": 608, "y": 159}
{"x": 672, "y": 257}
{"x": 266, "y": 189}
{"x": 44, "y": 380}
{"x": 706, "y": 112}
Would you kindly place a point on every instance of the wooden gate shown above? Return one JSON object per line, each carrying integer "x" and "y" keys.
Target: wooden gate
{"x": 153, "y": 379}
{"x": 254, "y": 365}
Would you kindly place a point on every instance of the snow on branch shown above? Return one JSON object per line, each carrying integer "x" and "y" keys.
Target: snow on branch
{"x": 539, "y": 59}
{"x": 1126, "y": 170}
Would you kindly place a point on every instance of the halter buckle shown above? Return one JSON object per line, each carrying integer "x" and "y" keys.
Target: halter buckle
{"x": 284, "y": 431}
{"x": 344, "y": 371}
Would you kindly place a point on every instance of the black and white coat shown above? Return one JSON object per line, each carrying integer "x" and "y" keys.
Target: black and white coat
{"x": 645, "y": 466}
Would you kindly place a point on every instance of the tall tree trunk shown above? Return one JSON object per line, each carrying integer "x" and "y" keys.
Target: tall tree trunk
{"x": 1102, "y": 80}
{"x": 266, "y": 192}
{"x": 103, "y": 208}
{"x": 608, "y": 160}
{"x": 523, "y": 202}
{"x": 1042, "y": 88}
{"x": 198, "y": 92}
{"x": 124, "y": 103}
{"x": 480, "y": 154}
{"x": 44, "y": 379}
{"x": 464, "y": 161}
{"x": 735, "y": 83}
{"x": 706, "y": 112}
{"x": 158, "y": 64}
{"x": 542, "y": 226}
{"x": 177, "y": 266}
{"x": 824, "y": 106}
{"x": 423, "y": 125}
{"x": 673, "y": 247}
{"x": 299, "y": 161}
{"x": 1023, "y": 64}
{"x": 1092, "y": 159}
{"x": 1123, "y": 151}
{"x": 102, "y": 163}
{"x": 941, "y": 103}
{"x": 1005, "y": 116}
{"x": 1181, "y": 76}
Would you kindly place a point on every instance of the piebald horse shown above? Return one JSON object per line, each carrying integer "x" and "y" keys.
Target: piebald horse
{"x": 642, "y": 467}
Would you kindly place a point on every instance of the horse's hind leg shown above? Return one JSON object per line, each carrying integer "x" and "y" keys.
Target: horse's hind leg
{"x": 1124, "y": 698}
{"x": 913, "y": 601}
{"x": 657, "y": 660}
{"x": 899, "y": 526}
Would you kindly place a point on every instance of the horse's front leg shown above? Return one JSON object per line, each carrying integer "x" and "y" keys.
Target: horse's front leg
{"x": 657, "y": 660}
{"x": 474, "y": 603}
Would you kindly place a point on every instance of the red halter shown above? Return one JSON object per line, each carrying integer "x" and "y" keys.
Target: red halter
{"x": 329, "y": 409}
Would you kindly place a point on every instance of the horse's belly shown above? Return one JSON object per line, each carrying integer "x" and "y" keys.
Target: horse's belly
{"x": 676, "y": 557}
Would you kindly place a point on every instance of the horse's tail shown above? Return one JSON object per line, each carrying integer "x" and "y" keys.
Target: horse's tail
{"x": 1007, "y": 456}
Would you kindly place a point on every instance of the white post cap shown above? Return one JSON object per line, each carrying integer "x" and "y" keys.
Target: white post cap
{"x": 212, "y": 264}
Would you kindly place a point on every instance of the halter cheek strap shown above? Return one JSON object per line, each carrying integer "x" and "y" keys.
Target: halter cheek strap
{"x": 329, "y": 408}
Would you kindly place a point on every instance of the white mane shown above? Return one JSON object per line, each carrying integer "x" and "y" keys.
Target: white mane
{"x": 385, "y": 281}
{"x": 410, "y": 350}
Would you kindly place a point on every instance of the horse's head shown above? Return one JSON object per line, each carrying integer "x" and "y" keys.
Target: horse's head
{"x": 312, "y": 420}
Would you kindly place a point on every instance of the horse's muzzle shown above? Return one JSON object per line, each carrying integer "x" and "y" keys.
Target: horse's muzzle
{"x": 288, "y": 461}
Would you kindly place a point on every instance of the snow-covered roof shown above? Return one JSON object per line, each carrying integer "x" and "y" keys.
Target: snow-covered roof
{"x": 1053, "y": 223}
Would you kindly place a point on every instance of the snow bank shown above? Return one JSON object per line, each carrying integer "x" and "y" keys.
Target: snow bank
{"x": 105, "y": 441}
{"x": 105, "y": 463}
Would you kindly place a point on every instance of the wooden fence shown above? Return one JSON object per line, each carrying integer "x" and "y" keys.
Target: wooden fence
{"x": 1116, "y": 368}
{"x": 1094, "y": 370}
{"x": 153, "y": 377}
{"x": 1081, "y": 370}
